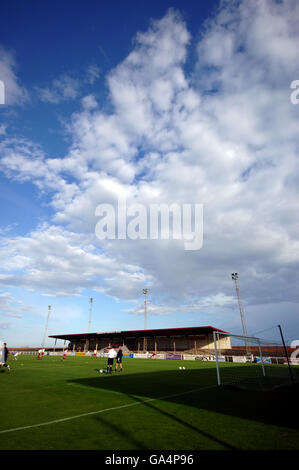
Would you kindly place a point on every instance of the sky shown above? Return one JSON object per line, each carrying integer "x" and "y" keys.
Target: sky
{"x": 148, "y": 103}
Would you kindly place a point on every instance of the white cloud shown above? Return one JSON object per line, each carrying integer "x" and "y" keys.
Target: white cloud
{"x": 209, "y": 304}
{"x": 66, "y": 87}
{"x": 60, "y": 262}
{"x": 14, "y": 92}
{"x": 62, "y": 88}
{"x": 12, "y": 310}
{"x": 144, "y": 85}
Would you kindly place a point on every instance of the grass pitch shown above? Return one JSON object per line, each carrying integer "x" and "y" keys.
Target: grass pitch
{"x": 151, "y": 405}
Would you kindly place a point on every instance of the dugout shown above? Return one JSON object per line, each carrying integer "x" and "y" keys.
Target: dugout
{"x": 192, "y": 340}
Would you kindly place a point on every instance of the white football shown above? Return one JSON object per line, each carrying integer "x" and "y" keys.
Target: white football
{"x": 180, "y": 368}
{"x": 101, "y": 371}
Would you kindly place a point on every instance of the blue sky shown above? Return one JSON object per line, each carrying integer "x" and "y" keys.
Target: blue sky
{"x": 159, "y": 102}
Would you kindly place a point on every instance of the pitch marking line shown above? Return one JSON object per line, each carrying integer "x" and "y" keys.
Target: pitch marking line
{"x": 104, "y": 410}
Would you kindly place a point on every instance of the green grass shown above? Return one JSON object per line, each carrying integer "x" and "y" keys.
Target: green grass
{"x": 151, "y": 405}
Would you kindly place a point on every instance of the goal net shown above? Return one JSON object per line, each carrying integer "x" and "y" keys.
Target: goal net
{"x": 253, "y": 363}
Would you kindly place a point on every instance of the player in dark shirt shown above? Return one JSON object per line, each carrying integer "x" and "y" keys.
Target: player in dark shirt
{"x": 119, "y": 358}
{"x": 4, "y": 356}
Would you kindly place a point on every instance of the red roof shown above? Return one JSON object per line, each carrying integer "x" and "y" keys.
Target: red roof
{"x": 192, "y": 330}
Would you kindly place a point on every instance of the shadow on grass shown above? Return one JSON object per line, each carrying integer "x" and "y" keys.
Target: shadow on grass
{"x": 188, "y": 425}
{"x": 195, "y": 388}
{"x": 123, "y": 432}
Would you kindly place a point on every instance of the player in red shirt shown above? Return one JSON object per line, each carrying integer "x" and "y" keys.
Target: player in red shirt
{"x": 64, "y": 354}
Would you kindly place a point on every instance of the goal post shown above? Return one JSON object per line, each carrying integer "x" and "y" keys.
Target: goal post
{"x": 216, "y": 357}
{"x": 252, "y": 362}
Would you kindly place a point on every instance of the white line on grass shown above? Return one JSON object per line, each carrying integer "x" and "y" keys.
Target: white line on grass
{"x": 105, "y": 410}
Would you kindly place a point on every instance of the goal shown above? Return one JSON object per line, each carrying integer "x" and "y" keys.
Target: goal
{"x": 250, "y": 362}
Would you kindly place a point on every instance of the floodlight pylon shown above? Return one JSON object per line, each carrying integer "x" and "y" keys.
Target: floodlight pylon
{"x": 235, "y": 277}
{"x": 46, "y": 327}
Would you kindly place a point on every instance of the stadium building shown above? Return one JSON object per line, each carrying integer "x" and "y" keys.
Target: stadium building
{"x": 192, "y": 340}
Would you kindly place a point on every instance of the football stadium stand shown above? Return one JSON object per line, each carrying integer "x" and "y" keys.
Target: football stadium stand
{"x": 192, "y": 340}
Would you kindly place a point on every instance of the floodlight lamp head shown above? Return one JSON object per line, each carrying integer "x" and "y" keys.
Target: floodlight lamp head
{"x": 145, "y": 291}
{"x": 234, "y": 276}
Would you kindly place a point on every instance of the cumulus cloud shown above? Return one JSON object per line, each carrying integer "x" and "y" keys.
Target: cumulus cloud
{"x": 55, "y": 261}
{"x": 15, "y": 93}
